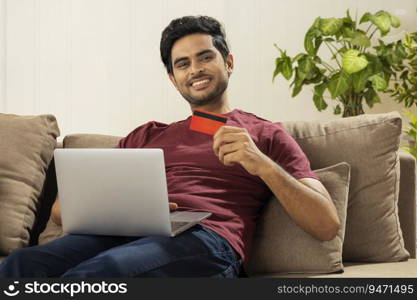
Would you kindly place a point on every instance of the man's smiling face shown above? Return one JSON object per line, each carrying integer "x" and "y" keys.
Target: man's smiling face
{"x": 199, "y": 72}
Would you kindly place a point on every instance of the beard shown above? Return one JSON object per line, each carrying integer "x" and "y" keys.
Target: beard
{"x": 211, "y": 97}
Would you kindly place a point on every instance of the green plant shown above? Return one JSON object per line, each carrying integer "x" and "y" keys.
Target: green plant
{"x": 411, "y": 133}
{"x": 357, "y": 69}
{"x": 405, "y": 85}
{"x": 405, "y": 88}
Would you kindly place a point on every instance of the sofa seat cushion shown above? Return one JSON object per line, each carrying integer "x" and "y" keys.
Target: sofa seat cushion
{"x": 390, "y": 269}
{"x": 402, "y": 269}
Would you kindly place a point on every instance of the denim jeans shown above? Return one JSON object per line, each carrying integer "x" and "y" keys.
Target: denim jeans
{"x": 197, "y": 252}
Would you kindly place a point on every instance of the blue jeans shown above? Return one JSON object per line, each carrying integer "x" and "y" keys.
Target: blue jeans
{"x": 197, "y": 252}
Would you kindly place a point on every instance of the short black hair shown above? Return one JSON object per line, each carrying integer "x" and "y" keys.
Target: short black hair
{"x": 188, "y": 25}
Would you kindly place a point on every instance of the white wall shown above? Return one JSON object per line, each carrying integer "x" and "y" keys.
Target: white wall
{"x": 95, "y": 64}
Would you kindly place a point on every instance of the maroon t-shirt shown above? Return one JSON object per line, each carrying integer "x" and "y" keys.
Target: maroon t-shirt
{"x": 198, "y": 181}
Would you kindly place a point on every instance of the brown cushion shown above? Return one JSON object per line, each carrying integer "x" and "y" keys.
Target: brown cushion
{"x": 90, "y": 141}
{"x": 369, "y": 144}
{"x": 53, "y": 231}
{"x": 281, "y": 246}
{"x": 26, "y": 149}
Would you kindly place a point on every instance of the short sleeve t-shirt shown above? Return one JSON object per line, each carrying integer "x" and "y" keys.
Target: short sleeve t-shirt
{"x": 198, "y": 181}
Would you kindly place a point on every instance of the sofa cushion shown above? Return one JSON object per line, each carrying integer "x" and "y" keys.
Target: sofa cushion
{"x": 281, "y": 246}
{"x": 26, "y": 149}
{"x": 90, "y": 141}
{"x": 369, "y": 143}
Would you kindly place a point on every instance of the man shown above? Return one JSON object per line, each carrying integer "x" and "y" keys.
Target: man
{"x": 230, "y": 174}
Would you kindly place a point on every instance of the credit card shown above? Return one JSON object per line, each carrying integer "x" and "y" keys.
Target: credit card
{"x": 207, "y": 122}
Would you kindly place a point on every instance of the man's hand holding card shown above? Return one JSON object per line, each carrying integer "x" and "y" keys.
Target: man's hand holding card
{"x": 234, "y": 145}
{"x": 230, "y": 144}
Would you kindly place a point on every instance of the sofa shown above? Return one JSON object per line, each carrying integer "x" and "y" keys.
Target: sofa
{"x": 359, "y": 160}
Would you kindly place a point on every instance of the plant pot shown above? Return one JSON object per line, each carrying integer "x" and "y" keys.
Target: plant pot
{"x": 353, "y": 109}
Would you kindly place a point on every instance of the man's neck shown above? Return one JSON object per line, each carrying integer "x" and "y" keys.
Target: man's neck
{"x": 218, "y": 108}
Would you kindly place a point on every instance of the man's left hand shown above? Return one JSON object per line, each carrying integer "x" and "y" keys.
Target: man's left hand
{"x": 234, "y": 145}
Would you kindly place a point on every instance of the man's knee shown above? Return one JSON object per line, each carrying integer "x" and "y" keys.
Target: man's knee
{"x": 21, "y": 263}
{"x": 17, "y": 258}
{"x": 99, "y": 266}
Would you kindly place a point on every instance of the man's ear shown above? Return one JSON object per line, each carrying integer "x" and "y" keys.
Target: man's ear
{"x": 172, "y": 78}
{"x": 229, "y": 64}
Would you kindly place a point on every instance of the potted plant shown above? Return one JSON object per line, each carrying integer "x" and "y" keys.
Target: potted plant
{"x": 356, "y": 70}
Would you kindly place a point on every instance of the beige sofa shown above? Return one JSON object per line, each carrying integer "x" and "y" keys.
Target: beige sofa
{"x": 373, "y": 184}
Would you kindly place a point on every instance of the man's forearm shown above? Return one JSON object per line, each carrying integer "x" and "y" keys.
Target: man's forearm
{"x": 56, "y": 212}
{"x": 310, "y": 209}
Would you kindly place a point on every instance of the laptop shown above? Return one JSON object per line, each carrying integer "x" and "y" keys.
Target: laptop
{"x": 120, "y": 192}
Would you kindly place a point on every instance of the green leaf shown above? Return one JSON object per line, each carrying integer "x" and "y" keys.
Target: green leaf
{"x": 298, "y": 56}
{"x": 378, "y": 83}
{"x": 347, "y": 33}
{"x": 318, "y": 96}
{"x": 283, "y": 65}
{"x": 353, "y": 61}
{"x": 312, "y": 40}
{"x": 394, "y": 53}
{"x": 307, "y": 68}
{"x": 395, "y": 22}
{"x": 404, "y": 75}
{"x": 330, "y": 26}
{"x": 287, "y": 67}
{"x": 371, "y": 97}
{"x": 413, "y": 118}
{"x": 317, "y": 60}
{"x": 408, "y": 40}
{"x": 298, "y": 83}
{"x": 400, "y": 51}
{"x": 317, "y": 42}
{"x": 382, "y": 20}
{"x": 360, "y": 39}
{"x": 316, "y": 23}
{"x": 337, "y": 110}
{"x": 308, "y": 41}
{"x": 374, "y": 63}
{"x": 348, "y": 17}
{"x": 365, "y": 18}
{"x": 413, "y": 130}
{"x": 338, "y": 84}
{"x": 359, "y": 79}
{"x": 317, "y": 76}
{"x": 278, "y": 68}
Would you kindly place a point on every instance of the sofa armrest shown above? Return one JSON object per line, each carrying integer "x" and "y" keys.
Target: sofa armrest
{"x": 407, "y": 201}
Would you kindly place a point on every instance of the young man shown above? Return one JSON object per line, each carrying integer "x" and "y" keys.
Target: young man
{"x": 230, "y": 174}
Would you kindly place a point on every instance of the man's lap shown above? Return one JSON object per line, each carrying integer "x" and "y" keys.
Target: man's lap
{"x": 196, "y": 252}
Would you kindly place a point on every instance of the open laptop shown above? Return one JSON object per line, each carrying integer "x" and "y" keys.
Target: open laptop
{"x": 119, "y": 192}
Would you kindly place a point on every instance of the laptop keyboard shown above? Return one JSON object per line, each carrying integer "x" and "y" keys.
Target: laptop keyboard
{"x": 175, "y": 225}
